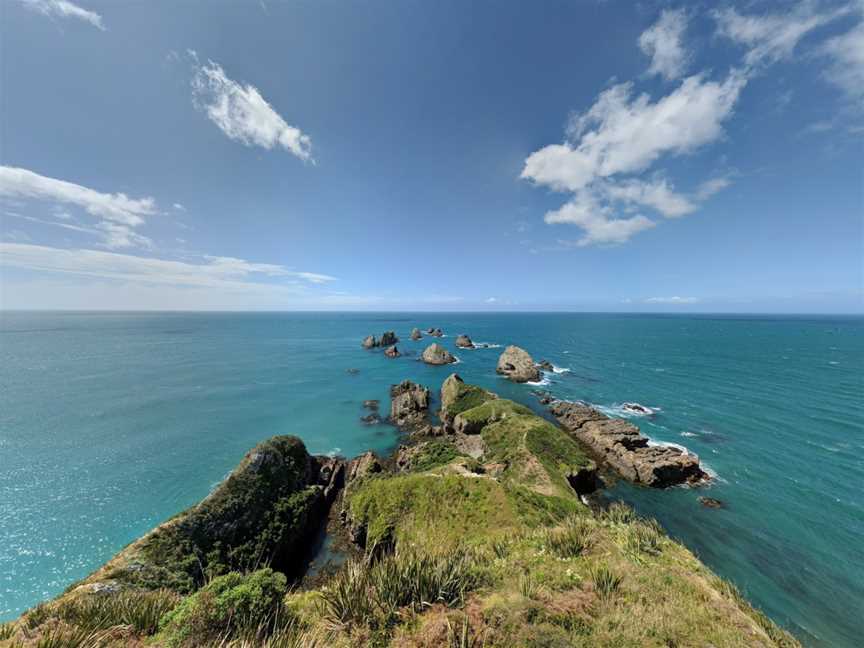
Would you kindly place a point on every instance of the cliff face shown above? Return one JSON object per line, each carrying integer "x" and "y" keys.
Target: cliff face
{"x": 475, "y": 537}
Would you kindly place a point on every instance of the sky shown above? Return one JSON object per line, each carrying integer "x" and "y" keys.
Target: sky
{"x": 581, "y": 155}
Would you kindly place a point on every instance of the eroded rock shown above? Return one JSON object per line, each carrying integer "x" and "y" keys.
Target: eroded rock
{"x": 435, "y": 354}
{"x": 409, "y": 404}
{"x": 623, "y": 447}
{"x": 517, "y": 365}
{"x": 392, "y": 352}
{"x": 464, "y": 342}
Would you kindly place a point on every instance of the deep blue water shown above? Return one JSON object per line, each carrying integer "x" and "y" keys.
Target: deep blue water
{"x": 110, "y": 423}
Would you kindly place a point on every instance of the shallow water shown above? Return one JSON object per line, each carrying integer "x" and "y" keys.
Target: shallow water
{"x": 109, "y": 423}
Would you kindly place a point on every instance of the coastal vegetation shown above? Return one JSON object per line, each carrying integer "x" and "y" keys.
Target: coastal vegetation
{"x": 474, "y": 535}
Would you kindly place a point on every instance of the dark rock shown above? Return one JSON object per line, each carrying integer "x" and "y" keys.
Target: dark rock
{"x": 352, "y": 371}
{"x": 435, "y": 354}
{"x": 371, "y": 404}
{"x": 545, "y": 365}
{"x": 409, "y": 404}
{"x": 435, "y": 332}
{"x": 416, "y": 334}
{"x": 371, "y": 419}
{"x": 710, "y": 502}
{"x": 370, "y": 342}
{"x": 392, "y": 352}
{"x": 388, "y": 338}
{"x": 517, "y": 365}
{"x": 464, "y": 342}
{"x": 624, "y": 448}
{"x": 584, "y": 480}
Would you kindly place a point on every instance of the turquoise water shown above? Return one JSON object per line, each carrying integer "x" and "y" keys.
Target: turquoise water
{"x": 110, "y": 423}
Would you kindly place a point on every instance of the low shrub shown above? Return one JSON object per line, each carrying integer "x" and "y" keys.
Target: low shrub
{"x": 605, "y": 581}
{"x": 233, "y": 605}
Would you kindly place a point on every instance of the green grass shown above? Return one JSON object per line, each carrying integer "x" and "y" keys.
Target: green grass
{"x": 433, "y": 454}
{"x": 570, "y": 540}
{"x": 458, "y": 397}
{"x": 605, "y": 581}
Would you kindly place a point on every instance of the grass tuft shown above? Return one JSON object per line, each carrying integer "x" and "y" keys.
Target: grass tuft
{"x": 141, "y": 610}
{"x": 571, "y": 540}
{"x": 605, "y": 581}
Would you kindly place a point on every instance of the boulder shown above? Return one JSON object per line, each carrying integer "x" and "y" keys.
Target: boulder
{"x": 435, "y": 354}
{"x": 464, "y": 342}
{"x": 623, "y": 447}
{"x": 409, "y": 404}
{"x": 435, "y": 332}
{"x": 545, "y": 365}
{"x": 517, "y": 365}
{"x": 710, "y": 502}
{"x": 392, "y": 352}
{"x": 636, "y": 408}
{"x": 416, "y": 334}
{"x": 388, "y": 338}
{"x": 370, "y": 342}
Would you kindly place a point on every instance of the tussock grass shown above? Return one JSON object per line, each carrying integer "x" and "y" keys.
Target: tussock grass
{"x": 570, "y": 540}
{"x": 463, "y": 637}
{"x": 141, "y": 610}
{"x": 6, "y": 631}
{"x": 366, "y": 593}
{"x": 618, "y": 513}
{"x": 643, "y": 538}
{"x": 605, "y": 581}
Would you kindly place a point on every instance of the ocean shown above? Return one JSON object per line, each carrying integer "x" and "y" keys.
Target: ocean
{"x": 112, "y": 422}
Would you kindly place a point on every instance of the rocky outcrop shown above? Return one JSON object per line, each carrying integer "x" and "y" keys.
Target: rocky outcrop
{"x": 464, "y": 342}
{"x": 435, "y": 354}
{"x": 710, "y": 502}
{"x": 361, "y": 466}
{"x": 388, "y": 338}
{"x": 416, "y": 334}
{"x": 545, "y": 365}
{"x": 622, "y": 446}
{"x": 435, "y": 332}
{"x": 369, "y": 342}
{"x": 392, "y": 352}
{"x": 409, "y": 404}
{"x": 636, "y": 408}
{"x": 517, "y": 365}
{"x": 458, "y": 396}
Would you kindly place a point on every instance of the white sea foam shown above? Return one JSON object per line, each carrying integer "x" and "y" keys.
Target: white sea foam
{"x": 620, "y": 410}
{"x": 487, "y": 345}
{"x": 560, "y": 370}
{"x": 689, "y": 434}
{"x": 540, "y": 383}
{"x": 335, "y": 451}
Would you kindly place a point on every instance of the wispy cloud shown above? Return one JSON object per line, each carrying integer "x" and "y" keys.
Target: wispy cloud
{"x": 663, "y": 42}
{"x": 213, "y": 271}
{"x": 117, "y": 214}
{"x": 64, "y": 9}
{"x": 773, "y": 37}
{"x": 672, "y": 300}
{"x": 846, "y": 67}
{"x": 243, "y": 114}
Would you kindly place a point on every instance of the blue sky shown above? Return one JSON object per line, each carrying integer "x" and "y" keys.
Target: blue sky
{"x": 444, "y": 155}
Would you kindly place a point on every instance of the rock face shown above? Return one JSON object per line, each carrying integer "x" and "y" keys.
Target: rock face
{"x": 464, "y": 342}
{"x": 545, "y": 365}
{"x": 388, "y": 338}
{"x": 416, "y": 334}
{"x": 409, "y": 404}
{"x": 392, "y": 352}
{"x": 268, "y": 509}
{"x": 370, "y": 342}
{"x": 625, "y": 449}
{"x": 517, "y": 365}
{"x": 435, "y": 354}
{"x": 365, "y": 464}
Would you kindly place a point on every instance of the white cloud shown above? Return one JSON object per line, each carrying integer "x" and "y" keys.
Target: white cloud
{"x": 620, "y": 135}
{"x": 710, "y": 187}
{"x": 672, "y": 300}
{"x": 597, "y": 220}
{"x": 772, "y": 37}
{"x": 846, "y": 69}
{"x": 214, "y": 272}
{"x": 243, "y": 114}
{"x": 118, "y": 214}
{"x": 64, "y": 9}
{"x": 179, "y": 207}
{"x": 662, "y": 42}
{"x": 623, "y": 135}
{"x": 491, "y": 300}
{"x": 658, "y": 195}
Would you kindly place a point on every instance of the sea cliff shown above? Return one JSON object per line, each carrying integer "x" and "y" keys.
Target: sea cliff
{"x": 476, "y": 532}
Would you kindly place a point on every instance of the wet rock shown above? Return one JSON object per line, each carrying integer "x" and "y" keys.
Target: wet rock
{"x": 371, "y": 404}
{"x": 388, "y": 338}
{"x": 416, "y": 334}
{"x": 352, "y": 371}
{"x": 636, "y": 408}
{"x": 409, "y": 404}
{"x": 623, "y": 447}
{"x": 710, "y": 502}
{"x": 517, "y": 365}
{"x": 435, "y": 354}
{"x": 371, "y": 419}
{"x": 584, "y": 480}
{"x": 435, "y": 332}
{"x": 545, "y": 365}
{"x": 392, "y": 352}
{"x": 464, "y": 342}
{"x": 370, "y": 342}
